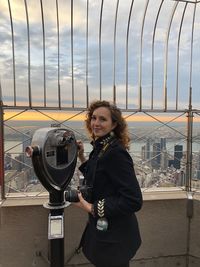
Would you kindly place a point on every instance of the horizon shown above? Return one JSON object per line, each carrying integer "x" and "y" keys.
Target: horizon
{"x": 60, "y": 117}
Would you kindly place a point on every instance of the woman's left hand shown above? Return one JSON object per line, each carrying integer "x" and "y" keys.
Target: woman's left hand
{"x": 83, "y": 204}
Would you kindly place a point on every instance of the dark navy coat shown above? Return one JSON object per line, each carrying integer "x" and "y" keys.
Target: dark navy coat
{"x": 113, "y": 178}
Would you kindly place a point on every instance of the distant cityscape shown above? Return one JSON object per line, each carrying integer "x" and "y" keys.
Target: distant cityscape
{"x": 158, "y": 168}
{"x": 155, "y": 164}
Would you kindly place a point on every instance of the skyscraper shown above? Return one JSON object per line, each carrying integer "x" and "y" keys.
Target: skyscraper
{"x": 156, "y": 156}
{"x": 178, "y": 154}
{"x": 163, "y": 143}
{"x": 148, "y": 149}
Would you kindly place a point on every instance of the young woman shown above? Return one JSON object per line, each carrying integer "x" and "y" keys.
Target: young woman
{"x": 112, "y": 236}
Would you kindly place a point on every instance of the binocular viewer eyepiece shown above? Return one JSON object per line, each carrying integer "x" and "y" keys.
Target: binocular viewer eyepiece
{"x": 30, "y": 151}
{"x": 54, "y": 155}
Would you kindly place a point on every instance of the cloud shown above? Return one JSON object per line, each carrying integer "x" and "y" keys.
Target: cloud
{"x": 107, "y": 50}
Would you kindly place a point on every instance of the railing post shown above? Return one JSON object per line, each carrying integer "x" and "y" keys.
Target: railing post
{"x": 1, "y": 152}
{"x": 189, "y": 146}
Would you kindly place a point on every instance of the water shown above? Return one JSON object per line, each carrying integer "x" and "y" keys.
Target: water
{"x": 16, "y": 147}
{"x": 13, "y": 147}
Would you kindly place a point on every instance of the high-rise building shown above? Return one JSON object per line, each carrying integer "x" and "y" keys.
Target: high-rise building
{"x": 143, "y": 152}
{"x": 163, "y": 143}
{"x": 164, "y": 159}
{"x": 156, "y": 156}
{"x": 171, "y": 163}
{"x": 148, "y": 149}
{"x": 178, "y": 154}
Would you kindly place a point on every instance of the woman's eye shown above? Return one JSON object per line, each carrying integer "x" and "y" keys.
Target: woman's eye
{"x": 94, "y": 118}
{"x": 102, "y": 119}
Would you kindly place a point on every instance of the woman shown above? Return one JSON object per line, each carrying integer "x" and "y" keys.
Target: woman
{"x": 111, "y": 237}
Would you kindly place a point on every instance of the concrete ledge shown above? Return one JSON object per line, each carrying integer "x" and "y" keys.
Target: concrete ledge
{"x": 23, "y": 201}
{"x": 18, "y": 199}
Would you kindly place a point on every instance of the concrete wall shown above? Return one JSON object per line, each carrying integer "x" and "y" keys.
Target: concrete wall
{"x": 163, "y": 223}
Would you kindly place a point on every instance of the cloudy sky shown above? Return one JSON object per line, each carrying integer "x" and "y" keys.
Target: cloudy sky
{"x": 44, "y": 44}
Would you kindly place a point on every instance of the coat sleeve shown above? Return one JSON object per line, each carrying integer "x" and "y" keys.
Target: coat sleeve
{"x": 128, "y": 197}
{"x": 83, "y": 167}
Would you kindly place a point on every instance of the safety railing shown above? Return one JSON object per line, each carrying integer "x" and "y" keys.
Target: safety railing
{"x": 57, "y": 57}
{"x": 164, "y": 157}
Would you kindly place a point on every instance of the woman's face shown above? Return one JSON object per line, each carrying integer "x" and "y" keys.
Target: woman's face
{"x": 101, "y": 122}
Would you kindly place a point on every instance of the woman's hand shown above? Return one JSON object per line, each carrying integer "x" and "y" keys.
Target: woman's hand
{"x": 83, "y": 204}
{"x": 81, "y": 155}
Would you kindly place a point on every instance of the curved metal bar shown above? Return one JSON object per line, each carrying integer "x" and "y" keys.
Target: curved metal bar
{"x": 153, "y": 45}
{"x": 178, "y": 55}
{"x": 58, "y": 36}
{"x": 191, "y": 55}
{"x": 87, "y": 87}
{"x": 44, "y": 52}
{"x": 166, "y": 55}
{"x": 127, "y": 39}
{"x": 29, "y": 55}
{"x": 13, "y": 52}
{"x": 1, "y": 97}
{"x": 100, "y": 28}
{"x": 189, "y": 149}
{"x": 114, "y": 58}
{"x": 72, "y": 51}
{"x": 140, "y": 59}
{"x": 2, "y": 174}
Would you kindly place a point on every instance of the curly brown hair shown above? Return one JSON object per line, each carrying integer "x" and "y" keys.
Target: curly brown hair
{"x": 121, "y": 130}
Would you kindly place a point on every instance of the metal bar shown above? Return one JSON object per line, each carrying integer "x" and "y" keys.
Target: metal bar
{"x": 140, "y": 58}
{"x": 16, "y": 115}
{"x": 191, "y": 52}
{"x": 166, "y": 124}
{"x": 73, "y": 116}
{"x": 189, "y": 147}
{"x": 187, "y": 1}
{"x": 166, "y": 55}
{"x": 13, "y": 52}
{"x": 127, "y": 39}
{"x": 153, "y": 45}
{"x": 58, "y": 55}
{"x": 2, "y": 188}
{"x": 190, "y": 122}
{"x": 100, "y": 70}
{"x": 87, "y": 29}
{"x": 21, "y": 133}
{"x": 44, "y": 52}
{"x": 72, "y": 52}
{"x": 59, "y": 122}
{"x": 81, "y": 108}
{"x": 177, "y": 60}
{"x": 29, "y": 55}
{"x": 114, "y": 57}
{"x": 7, "y": 150}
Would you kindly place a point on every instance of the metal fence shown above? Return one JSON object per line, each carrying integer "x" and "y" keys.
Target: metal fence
{"x": 57, "y": 56}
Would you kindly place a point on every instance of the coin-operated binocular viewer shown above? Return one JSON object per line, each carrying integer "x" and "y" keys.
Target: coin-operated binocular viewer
{"x": 54, "y": 155}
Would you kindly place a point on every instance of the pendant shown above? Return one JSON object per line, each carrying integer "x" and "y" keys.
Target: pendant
{"x": 102, "y": 224}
